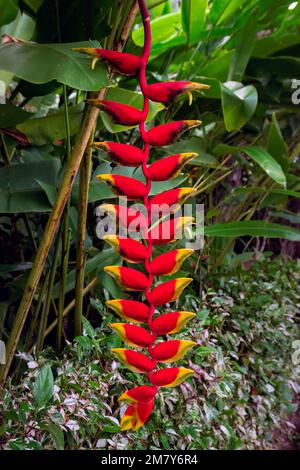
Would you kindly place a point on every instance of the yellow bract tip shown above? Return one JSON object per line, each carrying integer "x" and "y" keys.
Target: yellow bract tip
{"x": 187, "y": 314}
{"x": 188, "y": 343}
{"x": 86, "y": 50}
{"x": 117, "y": 350}
{"x": 181, "y": 221}
{"x": 186, "y": 371}
{"x": 194, "y": 86}
{"x": 188, "y": 155}
{"x": 192, "y": 122}
{"x": 113, "y": 240}
{"x": 94, "y": 62}
{"x": 107, "y": 178}
{"x": 113, "y": 271}
{"x": 183, "y": 281}
{"x": 184, "y": 192}
{"x": 124, "y": 397}
{"x": 101, "y": 145}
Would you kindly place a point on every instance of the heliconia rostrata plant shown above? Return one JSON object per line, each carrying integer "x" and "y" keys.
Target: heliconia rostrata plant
{"x": 140, "y": 399}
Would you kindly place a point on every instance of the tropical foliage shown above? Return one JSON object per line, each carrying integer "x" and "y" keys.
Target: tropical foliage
{"x": 245, "y": 173}
{"x": 243, "y": 387}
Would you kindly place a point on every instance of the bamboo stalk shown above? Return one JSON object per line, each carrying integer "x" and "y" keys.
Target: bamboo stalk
{"x": 84, "y": 182}
{"x": 43, "y": 323}
{"x": 66, "y": 238}
{"x": 36, "y": 315}
{"x": 87, "y": 126}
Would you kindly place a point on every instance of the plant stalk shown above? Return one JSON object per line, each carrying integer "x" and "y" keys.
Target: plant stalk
{"x": 84, "y": 182}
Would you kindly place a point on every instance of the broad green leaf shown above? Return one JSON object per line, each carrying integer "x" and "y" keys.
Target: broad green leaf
{"x": 20, "y": 190}
{"x": 218, "y": 67}
{"x": 43, "y": 387}
{"x": 276, "y": 145}
{"x": 265, "y": 160}
{"x": 131, "y": 98}
{"x": 260, "y": 155}
{"x": 22, "y": 28}
{"x": 43, "y": 130}
{"x": 50, "y": 191}
{"x": 221, "y": 10}
{"x": 243, "y": 49}
{"x": 42, "y": 63}
{"x": 8, "y": 11}
{"x": 253, "y": 228}
{"x": 166, "y": 32}
{"x": 11, "y": 115}
{"x": 215, "y": 87}
{"x": 57, "y": 435}
{"x": 238, "y": 103}
{"x": 193, "y": 19}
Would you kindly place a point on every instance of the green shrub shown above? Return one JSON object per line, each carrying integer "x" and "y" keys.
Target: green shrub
{"x": 243, "y": 386}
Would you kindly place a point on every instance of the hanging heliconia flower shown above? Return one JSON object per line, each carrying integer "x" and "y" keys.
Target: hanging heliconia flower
{"x": 144, "y": 353}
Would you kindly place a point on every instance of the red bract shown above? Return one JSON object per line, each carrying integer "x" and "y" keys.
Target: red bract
{"x": 136, "y": 415}
{"x": 120, "y": 113}
{"x": 126, "y": 216}
{"x": 169, "y": 198}
{"x": 131, "y": 310}
{"x": 128, "y": 278}
{"x": 168, "y": 91}
{"x": 171, "y": 351}
{"x": 167, "y": 231}
{"x": 135, "y": 361}
{"x": 138, "y": 394}
{"x": 168, "y": 291}
{"x": 166, "y": 134}
{"x": 123, "y": 154}
{"x": 159, "y": 226}
{"x": 170, "y": 323}
{"x": 124, "y": 186}
{"x": 169, "y": 167}
{"x": 127, "y": 64}
{"x": 168, "y": 263}
{"x": 170, "y": 377}
{"x": 131, "y": 250}
{"x": 132, "y": 335}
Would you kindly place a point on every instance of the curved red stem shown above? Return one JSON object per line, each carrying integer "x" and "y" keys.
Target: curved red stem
{"x": 143, "y": 85}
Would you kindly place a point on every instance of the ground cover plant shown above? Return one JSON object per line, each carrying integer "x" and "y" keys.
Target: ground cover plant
{"x": 59, "y": 134}
{"x": 244, "y": 384}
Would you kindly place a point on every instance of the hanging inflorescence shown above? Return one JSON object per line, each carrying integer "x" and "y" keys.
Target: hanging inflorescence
{"x": 140, "y": 400}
